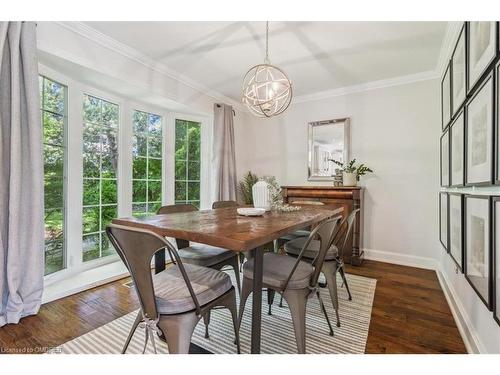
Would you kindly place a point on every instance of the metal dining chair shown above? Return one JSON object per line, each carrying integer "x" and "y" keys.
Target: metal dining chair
{"x": 174, "y": 300}
{"x": 203, "y": 255}
{"x": 333, "y": 260}
{"x": 224, "y": 204}
{"x": 294, "y": 279}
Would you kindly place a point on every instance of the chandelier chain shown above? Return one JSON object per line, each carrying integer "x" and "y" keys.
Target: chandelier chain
{"x": 267, "y": 42}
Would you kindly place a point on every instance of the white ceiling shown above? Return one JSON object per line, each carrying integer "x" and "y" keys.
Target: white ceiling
{"x": 317, "y": 56}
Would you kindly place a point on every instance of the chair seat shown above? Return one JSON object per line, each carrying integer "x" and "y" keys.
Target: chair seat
{"x": 294, "y": 247}
{"x": 172, "y": 294}
{"x": 294, "y": 235}
{"x": 205, "y": 255}
{"x": 277, "y": 268}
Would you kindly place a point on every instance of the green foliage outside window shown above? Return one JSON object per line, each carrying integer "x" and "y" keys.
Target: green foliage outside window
{"x": 53, "y": 115}
{"x": 187, "y": 162}
{"x": 100, "y": 165}
{"x": 146, "y": 163}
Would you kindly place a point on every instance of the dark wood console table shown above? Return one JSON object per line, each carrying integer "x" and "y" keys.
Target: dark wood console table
{"x": 350, "y": 198}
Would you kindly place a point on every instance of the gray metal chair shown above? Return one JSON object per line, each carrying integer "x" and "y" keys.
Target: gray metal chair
{"x": 294, "y": 279}
{"x": 333, "y": 260}
{"x": 203, "y": 255}
{"x": 174, "y": 300}
{"x": 224, "y": 204}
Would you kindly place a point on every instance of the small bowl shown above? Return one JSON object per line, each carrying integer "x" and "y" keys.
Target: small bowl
{"x": 250, "y": 211}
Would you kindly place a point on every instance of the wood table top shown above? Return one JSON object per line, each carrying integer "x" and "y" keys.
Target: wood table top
{"x": 223, "y": 227}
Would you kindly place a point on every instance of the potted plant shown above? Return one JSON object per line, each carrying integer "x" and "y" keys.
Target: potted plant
{"x": 351, "y": 172}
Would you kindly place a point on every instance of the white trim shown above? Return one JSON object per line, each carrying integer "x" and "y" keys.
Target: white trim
{"x": 397, "y": 81}
{"x": 94, "y": 35}
{"x": 469, "y": 335}
{"x": 401, "y": 259}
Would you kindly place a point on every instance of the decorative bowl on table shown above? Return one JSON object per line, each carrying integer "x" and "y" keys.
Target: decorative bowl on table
{"x": 250, "y": 211}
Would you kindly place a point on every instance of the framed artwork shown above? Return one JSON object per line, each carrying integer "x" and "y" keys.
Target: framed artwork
{"x": 477, "y": 246}
{"x": 496, "y": 257}
{"x": 443, "y": 220}
{"x": 482, "y": 48}
{"x": 456, "y": 218}
{"x": 459, "y": 73}
{"x": 445, "y": 158}
{"x": 497, "y": 122}
{"x": 479, "y": 136}
{"x": 446, "y": 98}
{"x": 457, "y": 152}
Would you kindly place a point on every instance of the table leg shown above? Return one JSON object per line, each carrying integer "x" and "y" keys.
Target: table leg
{"x": 257, "y": 299}
{"x": 159, "y": 261}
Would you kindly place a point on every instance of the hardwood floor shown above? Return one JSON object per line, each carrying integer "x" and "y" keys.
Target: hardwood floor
{"x": 410, "y": 314}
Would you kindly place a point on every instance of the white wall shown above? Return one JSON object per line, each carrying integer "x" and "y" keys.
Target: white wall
{"x": 394, "y": 130}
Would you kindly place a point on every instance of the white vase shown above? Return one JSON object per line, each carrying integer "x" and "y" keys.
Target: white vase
{"x": 261, "y": 195}
{"x": 349, "y": 179}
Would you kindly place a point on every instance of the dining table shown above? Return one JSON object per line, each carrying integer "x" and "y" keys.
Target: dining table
{"x": 224, "y": 227}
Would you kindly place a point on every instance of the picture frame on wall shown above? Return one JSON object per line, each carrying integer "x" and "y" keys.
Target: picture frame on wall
{"x": 445, "y": 158}
{"x": 482, "y": 49}
{"x": 497, "y": 126}
{"x": 477, "y": 246}
{"x": 495, "y": 202}
{"x": 446, "y": 98}
{"x": 443, "y": 219}
{"x": 457, "y": 150}
{"x": 479, "y": 136}
{"x": 456, "y": 233}
{"x": 459, "y": 72}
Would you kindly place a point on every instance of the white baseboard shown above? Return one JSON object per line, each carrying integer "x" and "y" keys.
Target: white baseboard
{"x": 469, "y": 335}
{"x": 401, "y": 259}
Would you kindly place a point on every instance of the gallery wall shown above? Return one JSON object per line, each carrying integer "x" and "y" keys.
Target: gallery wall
{"x": 394, "y": 131}
{"x": 466, "y": 257}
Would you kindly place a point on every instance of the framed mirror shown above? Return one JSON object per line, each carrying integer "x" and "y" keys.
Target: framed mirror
{"x": 328, "y": 140}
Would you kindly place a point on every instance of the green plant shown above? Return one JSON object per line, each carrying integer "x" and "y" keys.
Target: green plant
{"x": 245, "y": 187}
{"x": 351, "y": 167}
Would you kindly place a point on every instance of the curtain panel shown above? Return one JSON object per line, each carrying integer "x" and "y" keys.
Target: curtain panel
{"x": 223, "y": 156}
{"x": 21, "y": 174}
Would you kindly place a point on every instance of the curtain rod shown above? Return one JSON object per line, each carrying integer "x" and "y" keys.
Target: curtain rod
{"x": 234, "y": 112}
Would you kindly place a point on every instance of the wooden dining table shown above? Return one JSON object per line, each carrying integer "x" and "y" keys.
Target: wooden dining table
{"x": 223, "y": 227}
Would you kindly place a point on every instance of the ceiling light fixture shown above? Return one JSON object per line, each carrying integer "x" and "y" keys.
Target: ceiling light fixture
{"x": 267, "y": 91}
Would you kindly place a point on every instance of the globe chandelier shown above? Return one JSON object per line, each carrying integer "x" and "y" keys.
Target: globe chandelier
{"x": 267, "y": 91}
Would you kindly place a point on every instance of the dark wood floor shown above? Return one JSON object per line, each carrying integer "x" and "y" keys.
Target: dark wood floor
{"x": 410, "y": 314}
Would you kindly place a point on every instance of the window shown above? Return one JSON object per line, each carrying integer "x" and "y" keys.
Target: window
{"x": 187, "y": 162}
{"x": 147, "y": 163}
{"x": 100, "y": 166}
{"x": 54, "y": 120}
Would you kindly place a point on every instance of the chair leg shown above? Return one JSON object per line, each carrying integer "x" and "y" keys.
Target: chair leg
{"x": 297, "y": 301}
{"x": 281, "y": 301}
{"x": 246, "y": 289}
{"x": 178, "y": 330}
{"x": 236, "y": 266}
{"x": 206, "y": 320}
{"x": 322, "y": 305}
{"x": 342, "y": 273}
{"x": 234, "y": 314}
{"x": 330, "y": 271}
{"x": 138, "y": 319}
{"x": 270, "y": 300}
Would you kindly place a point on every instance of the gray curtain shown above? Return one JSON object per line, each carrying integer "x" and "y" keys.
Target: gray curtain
{"x": 21, "y": 174}
{"x": 223, "y": 156}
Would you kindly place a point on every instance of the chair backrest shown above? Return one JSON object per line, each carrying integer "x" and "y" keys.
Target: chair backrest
{"x": 325, "y": 233}
{"x": 344, "y": 232}
{"x": 224, "y": 204}
{"x": 173, "y": 209}
{"x": 136, "y": 248}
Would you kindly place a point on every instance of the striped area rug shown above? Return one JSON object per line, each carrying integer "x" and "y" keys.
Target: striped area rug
{"x": 277, "y": 329}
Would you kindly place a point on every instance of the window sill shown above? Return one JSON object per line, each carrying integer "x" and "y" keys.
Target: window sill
{"x": 84, "y": 280}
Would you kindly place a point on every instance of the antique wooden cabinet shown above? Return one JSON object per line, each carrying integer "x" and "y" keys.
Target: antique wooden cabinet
{"x": 350, "y": 198}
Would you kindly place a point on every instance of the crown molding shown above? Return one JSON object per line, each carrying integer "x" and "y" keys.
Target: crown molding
{"x": 452, "y": 31}
{"x": 133, "y": 54}
{"x": 397, "y": 81}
